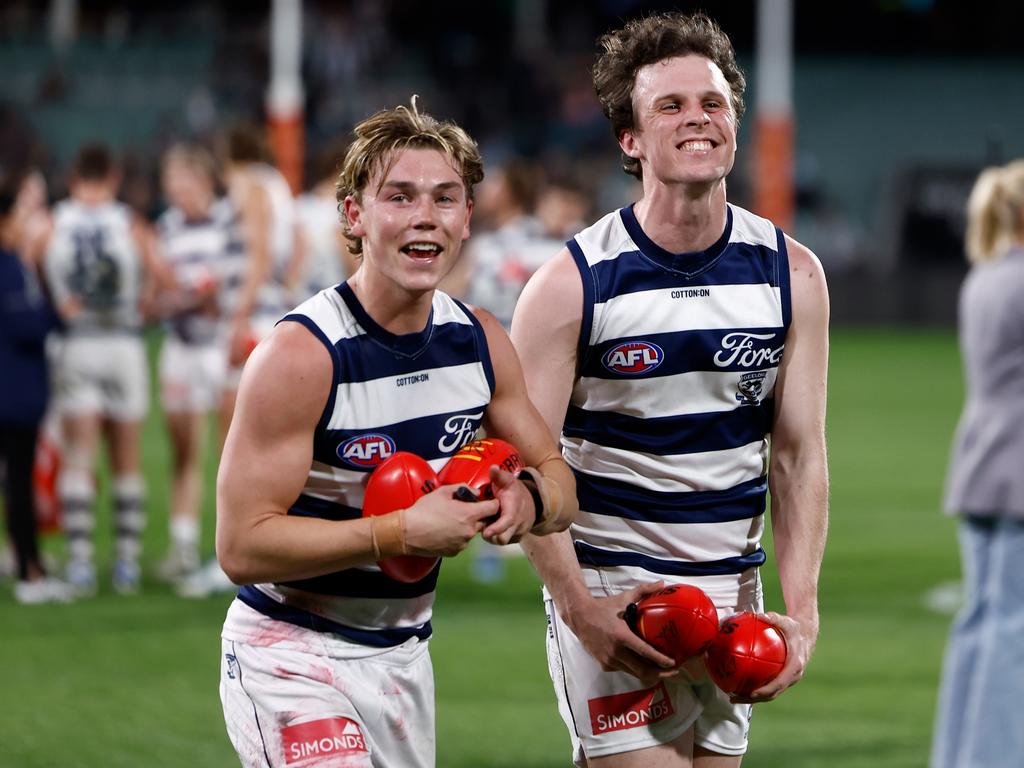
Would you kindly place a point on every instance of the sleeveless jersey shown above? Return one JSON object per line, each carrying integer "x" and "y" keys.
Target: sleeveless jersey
{"x": 425, "y": 393}
{"x": 503, "y": 262}
{"x": 93, "y": 257}
{"x": 197, "y": 251}
{"x": 322, "y": 264}
{"x": 272, "y": 299}
{"x": 667, "y": 426}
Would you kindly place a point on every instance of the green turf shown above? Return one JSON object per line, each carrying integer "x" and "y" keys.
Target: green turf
{"x": 115, "y": 681}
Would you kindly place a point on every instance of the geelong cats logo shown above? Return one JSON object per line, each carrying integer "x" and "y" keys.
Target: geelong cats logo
{"x": 751, "y": 387}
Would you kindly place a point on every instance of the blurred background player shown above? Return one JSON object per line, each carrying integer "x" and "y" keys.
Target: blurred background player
{"x": 101, "y": 268}
{"x": 259, "y": 297}
{"x": 563, "y": 208}
{"x": 255, "y": 293}
{"x": 319, "y": 631}
{"x": 497, "y": 261}
{"x": 668, "y": 349}
{"x": 26, "y": 318}
{"x": 29, "y": 227}
{"x": 325, "y": 260}
{"x": 511, "y": 244}
{"x": 978, "y": 721}
{"x": 198, "y": 244}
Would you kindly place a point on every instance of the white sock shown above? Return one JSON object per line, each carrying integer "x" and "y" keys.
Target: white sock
{"x": 184, "y": 534}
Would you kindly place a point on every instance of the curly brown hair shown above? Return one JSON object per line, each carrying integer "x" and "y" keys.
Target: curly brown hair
{"x": 380, "y": 137}
{"x": 651, "y": 39}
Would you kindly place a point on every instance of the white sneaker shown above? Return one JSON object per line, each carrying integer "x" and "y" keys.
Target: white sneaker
{"x": 206, "y": 581}
{"x": 81, "y": 576}
{"x": 177, "y": 565}
{"x": 45, "y": 590}
{"x": 126, "y": 577}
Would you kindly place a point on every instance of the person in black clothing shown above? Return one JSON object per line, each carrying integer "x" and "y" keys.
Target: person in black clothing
{"x": 26, "y": 317}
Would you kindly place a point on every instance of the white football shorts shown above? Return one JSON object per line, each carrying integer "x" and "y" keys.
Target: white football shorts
{"x": 106, "y": 375}
{"x": 191, "y": 375}
{"x": 295, "y": 698}
{"x": 608, "y": 713}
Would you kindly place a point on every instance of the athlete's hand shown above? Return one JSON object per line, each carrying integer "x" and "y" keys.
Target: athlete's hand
{"x": 440, "y": 525}
{"x": 801, "y": 637}
{"x": 241, "y": 342}
{"x": 71, "y": 308}
{"x": 516, "y": 510}
{"x": 599, "y": 625}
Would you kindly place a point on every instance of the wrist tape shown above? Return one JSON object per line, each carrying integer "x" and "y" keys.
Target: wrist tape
{"x": 547, "y": 499}
{"x": 387, "y": 535}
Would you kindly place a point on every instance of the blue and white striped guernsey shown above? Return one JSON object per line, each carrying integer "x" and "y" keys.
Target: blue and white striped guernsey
{"x": 425, "y": 393}
{"x": 667, "y": 426}
{"x": 92, "y": 255}
{"x": 197, "y": 250}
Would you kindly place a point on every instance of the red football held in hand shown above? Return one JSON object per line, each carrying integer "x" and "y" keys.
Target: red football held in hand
{"x": 680, "y": 621}
{"x": 396, "y": 483}
{"x": 747, "y": 653}
{"x": 472, "y": 464}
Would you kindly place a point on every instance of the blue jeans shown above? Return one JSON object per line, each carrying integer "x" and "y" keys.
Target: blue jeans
{"x": 980, "y": 721}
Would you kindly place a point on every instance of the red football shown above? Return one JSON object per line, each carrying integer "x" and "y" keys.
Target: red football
{"x": 472, "y": 464}
{"x": 747, "y": 653}
{"x": 396, "y": 483}
{"x": 680, "y": 621}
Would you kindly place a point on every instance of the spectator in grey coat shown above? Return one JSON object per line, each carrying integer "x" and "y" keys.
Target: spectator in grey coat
{"x": 978, "y": 721}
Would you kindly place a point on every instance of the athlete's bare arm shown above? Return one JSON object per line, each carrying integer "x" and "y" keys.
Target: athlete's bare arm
{"x": 545, "y": 332}
{"x": 267, "y": 456}
{"x": 297, "y": 262}
{"x": 255, "y": 215}
{"x": 798, "y": 472}
{"x": 157, "y": 279}
{"x": 66, "y": 301}
{"x": 511, "y": 416}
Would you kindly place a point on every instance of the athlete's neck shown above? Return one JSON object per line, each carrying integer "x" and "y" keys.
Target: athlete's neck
{"x": 92, "y": 194}
{"x": 394, "y": 309}
{"x": 682, "y": 219}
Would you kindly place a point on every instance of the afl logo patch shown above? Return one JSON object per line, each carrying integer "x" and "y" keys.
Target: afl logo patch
{"x": 366, "y": 450}
{"x": 633, "y": 358}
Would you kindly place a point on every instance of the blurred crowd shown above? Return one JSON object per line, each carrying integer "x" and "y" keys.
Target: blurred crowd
{"x": 187, "y": 227}
{"x": 145, "y": 79}
{"x": 230, "y": 251}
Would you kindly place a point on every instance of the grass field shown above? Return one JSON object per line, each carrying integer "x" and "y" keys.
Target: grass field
{"x": 132, "y": 682}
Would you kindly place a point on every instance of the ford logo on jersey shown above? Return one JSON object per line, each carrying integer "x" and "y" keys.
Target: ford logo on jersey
{"x": 633, "y": 358}
{"x": 366, "y": 450}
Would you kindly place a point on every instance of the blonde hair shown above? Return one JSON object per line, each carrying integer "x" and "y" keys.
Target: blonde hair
{"x": 193, "y": 157}
{"x": 995, "y": 212}
{"x": 380, "y": 138}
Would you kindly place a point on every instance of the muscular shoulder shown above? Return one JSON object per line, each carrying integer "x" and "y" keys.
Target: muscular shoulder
{"x": 553, "y": 298}
{"x": 802, "y": 261}
{"x": 498, "y": 342}
{"x": 289, "y": 375}
{"x": 807, "y": 282}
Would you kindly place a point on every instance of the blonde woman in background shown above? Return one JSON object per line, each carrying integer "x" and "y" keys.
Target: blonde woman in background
{"x": 978, "y": 721}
